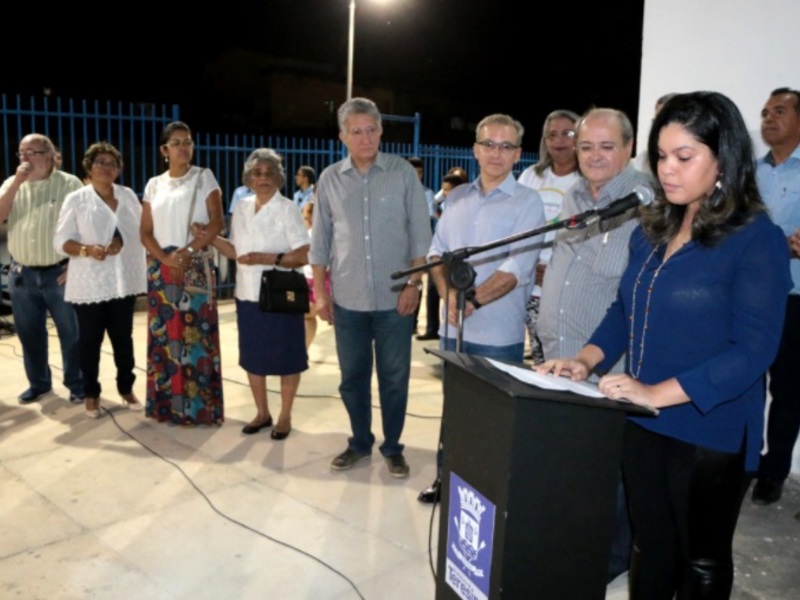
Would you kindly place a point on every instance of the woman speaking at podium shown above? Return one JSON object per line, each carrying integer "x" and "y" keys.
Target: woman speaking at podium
{"x": 698, "y": 315}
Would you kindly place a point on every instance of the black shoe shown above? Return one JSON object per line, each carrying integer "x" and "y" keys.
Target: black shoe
{"x": 767, "y": 491}
{"x": 432, "y": 493}
{"x": 427, "y": 336}
{"x": 249, "y": 429}
{"x": 32, "y": 395}
{"x": 280, "y": 435}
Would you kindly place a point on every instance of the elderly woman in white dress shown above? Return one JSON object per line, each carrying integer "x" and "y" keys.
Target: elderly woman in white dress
{"x": 267, "y": 232}
{"x": 98, "y": 228}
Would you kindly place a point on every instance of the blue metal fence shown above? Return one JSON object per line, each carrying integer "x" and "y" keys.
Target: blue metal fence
{"x": 134, "y": 128}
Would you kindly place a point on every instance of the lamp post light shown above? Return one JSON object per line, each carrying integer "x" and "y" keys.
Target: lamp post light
{"x": 351, "y": 34}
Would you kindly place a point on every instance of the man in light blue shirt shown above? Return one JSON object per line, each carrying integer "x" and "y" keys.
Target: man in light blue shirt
{"x": 305, "y": 178}
{"x": 778, "y": 174}
{"x": 492, "y": 207}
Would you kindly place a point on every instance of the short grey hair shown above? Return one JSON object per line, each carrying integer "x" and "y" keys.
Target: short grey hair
{"x": 625, "y": 125}
{"x": 269, "y": 156}
{"x": 358, "y": 106}
{"x": 500, "y": 119}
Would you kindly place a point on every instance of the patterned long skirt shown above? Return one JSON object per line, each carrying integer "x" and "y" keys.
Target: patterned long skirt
{"x": 184, "y": 379}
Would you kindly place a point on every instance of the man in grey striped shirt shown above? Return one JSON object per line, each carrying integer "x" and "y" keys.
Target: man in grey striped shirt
{"x": 587, "y": 264}
{"x": 370, "y": 220}
{"x": 31, "y": 200}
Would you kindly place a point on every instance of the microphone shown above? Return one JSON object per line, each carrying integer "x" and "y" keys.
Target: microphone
{"x": 641, "y": 195}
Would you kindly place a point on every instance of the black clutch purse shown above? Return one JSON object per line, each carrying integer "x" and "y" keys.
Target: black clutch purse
{"x": 283, "y": 292}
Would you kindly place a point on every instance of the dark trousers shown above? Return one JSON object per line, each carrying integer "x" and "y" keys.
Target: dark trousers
{"x": 432, "y": 307}
{"x": 784, "y": 413}
{"x": 684, "y": 502}
{"x": 94, "y": 320}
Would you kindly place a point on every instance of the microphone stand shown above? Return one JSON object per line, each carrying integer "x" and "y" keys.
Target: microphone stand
{"x": 461, "y": 276}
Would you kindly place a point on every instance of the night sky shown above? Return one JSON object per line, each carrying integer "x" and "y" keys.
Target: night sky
{"x": 487, "y": 56}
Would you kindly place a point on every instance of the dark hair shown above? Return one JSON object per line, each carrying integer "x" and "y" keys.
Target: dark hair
{"x": 308, "y": 173}
{"x": 713, "y": 120}
{"x": 416, "y": 162}
{"x": 174, "y": 126}
{"x": 459, "y": 172}
{"x": 95, "y": 150}
{"x": 785, "y": 90}
{"x": 453, "y": 179}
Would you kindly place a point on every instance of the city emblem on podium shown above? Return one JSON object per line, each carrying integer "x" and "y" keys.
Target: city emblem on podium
{"x": 470, "y": 535}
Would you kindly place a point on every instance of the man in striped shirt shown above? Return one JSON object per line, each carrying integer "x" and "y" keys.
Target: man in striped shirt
{"x": 31, "y": 201}
{"x": 587, "y": 264}
{"x": 370, "y": 220}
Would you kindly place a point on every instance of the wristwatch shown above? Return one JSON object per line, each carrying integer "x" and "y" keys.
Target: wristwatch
{"x": 472, "y": 299}
{"x": 417, "y": 283}
{"x": 84, "y": 251}
{"x": 278, "y": 258}
{"x": 190, "y": 249}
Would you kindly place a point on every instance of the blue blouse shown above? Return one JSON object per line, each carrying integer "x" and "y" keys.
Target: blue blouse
{"x": 711, "y": 317}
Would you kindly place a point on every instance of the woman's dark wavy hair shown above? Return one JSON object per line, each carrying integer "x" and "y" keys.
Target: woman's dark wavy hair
{"x": 713, "y": 120}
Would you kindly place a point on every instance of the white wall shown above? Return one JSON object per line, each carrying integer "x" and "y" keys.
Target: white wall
{"x": 741, "y": 48}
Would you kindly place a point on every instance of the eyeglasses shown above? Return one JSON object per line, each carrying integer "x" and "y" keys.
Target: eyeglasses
{"x": 367, "y": 131}
{"x": 259, "y": 173}
{"x": 106, "y": 164}
{"x": 187, "y": 143}
{"x": 603, "y": 148}
{"x": 504, "y": 147}
{"x": 567, "y": 134}
{"x": 31, "y": 153}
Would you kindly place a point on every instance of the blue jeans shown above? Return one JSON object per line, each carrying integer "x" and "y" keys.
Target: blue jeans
{"x": 512, "y": 352}
{"x": 34, "y": 293}
{"x": 356, "y": 332}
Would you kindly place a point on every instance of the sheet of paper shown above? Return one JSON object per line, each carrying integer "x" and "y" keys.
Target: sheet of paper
{"x": 548, "y": 382}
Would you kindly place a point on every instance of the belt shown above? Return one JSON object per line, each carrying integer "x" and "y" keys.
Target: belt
{"x": 45, "y": 268}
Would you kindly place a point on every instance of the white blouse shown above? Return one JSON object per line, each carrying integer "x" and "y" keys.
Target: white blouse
{"x": 87, "y": 219}
{"x": 277, "y": 227}
{"x": 170, "y": 199}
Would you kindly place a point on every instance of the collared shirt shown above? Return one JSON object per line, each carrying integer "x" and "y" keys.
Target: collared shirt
{"x": 34, "y": 216}
{"x": 240, "y": 192}
{"x": 473, "y": 219}
{"x": 584, "y": 272}
{"x": 367, "y": 227}
{"x": 780, "y": 188}
{"x": 87, "y": 219}
{"x": 302, "y": 197}
{"x": 276, "y": 227}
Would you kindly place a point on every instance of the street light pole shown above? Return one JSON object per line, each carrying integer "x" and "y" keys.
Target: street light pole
{"x": 350, "y": 43}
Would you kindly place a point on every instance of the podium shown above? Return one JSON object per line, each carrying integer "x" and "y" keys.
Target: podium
{"x": 529, "y": 486}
